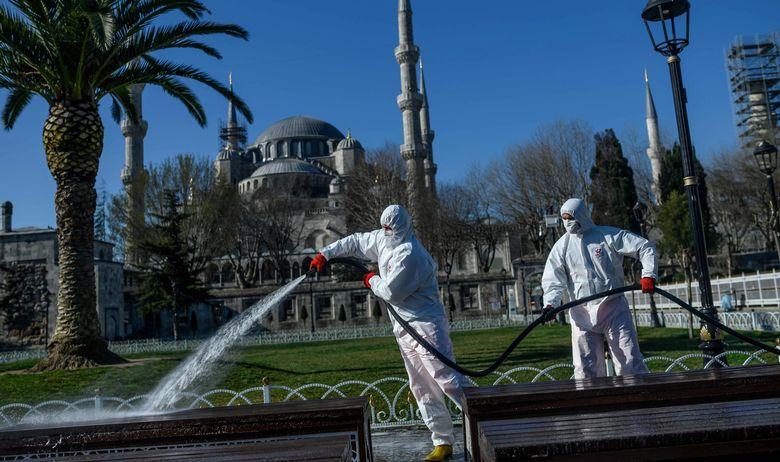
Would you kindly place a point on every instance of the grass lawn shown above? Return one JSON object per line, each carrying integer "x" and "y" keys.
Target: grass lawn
{"x": 328, "y": 363}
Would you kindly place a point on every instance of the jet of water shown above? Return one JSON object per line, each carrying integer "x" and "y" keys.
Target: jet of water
{"x": 169, "y": 390}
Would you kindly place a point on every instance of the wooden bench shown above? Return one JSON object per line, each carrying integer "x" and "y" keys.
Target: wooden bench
{"x": 613, "y": 393}
{"x": 317, "y": 449}
{"x": 290, "y": 420}
{"x": 712, "y": 431}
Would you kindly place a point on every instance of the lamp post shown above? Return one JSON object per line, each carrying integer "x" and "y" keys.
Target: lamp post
{"x": 448, "y": 270}
{"x": 766, "y": 158}
{"x": 640, "y": 213}
{"x": 671, "y": 19}
{"x": 504, "y": 292}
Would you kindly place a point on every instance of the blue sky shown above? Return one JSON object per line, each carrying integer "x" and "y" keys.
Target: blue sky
{"x": 495, "y": 71}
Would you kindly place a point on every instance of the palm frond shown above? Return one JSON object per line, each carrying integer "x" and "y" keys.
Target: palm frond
{"x": 17, "y": 100}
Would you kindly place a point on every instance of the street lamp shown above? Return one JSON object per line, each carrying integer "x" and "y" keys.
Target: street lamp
{"x": 671, "y": 21}
{"x": 504, "y": 292}
{"x": 766, "y": 158}
{"x": 448, "y": 271}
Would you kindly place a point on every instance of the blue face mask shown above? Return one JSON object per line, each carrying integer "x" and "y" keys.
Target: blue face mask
{"x": 572, "y": 227}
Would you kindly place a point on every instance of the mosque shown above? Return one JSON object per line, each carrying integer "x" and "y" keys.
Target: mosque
{"x": 312, "y": 159}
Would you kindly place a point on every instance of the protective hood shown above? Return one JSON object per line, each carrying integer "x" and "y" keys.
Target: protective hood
{"x": 398, "y": 220}
{"x": 581, "y": 214}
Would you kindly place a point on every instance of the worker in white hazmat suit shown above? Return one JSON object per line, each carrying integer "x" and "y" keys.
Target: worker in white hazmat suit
{"x": 407, "y": 280}
{"x": 587, "y": 260}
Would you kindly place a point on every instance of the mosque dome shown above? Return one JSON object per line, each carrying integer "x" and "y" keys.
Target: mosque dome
{"x": 300, "y": 127}
{"x": 287, "y": 165}
{"x": 349, "y": 143}
{"x": 227, "y": 154}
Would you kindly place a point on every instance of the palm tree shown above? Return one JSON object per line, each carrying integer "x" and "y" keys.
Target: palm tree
{"x": 74, "y": 54}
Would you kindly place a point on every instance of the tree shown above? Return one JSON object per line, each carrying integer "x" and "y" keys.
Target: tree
{"x": 304, "y": 315}
{"x": 671, "y": 180}
{"x": 237, "y": 227}
{"x": 613, "y": 194}
{"x": 374, "y": 185}
{"x": 170, "y": 279}
{"x": 677, "y": 236}
{"x": 74, "y": 54}
{"x": 483, "y": 227}
{"x": 541, "y": 174}
{"x": 450, "y": 237}
{"x": 281, "y": 224}
{"x": 342, "y": 314}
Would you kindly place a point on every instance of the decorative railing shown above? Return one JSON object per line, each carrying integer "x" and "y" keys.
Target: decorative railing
{"x": 746, "y": 321}
{"x": 391, "y": 403}
{"x": 759, "y": 290}
{"x": 267, "y": 338}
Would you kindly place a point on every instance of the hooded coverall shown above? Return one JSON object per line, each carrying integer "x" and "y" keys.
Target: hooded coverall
{"x": 407, "y": 280}
{"x": 588, "y": 259}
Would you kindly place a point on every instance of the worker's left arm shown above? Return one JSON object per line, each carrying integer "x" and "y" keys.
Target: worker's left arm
{"x": 629, "y": 244}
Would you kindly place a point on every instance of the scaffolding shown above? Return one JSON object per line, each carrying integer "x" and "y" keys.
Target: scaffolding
{"x": 753, "y": 66}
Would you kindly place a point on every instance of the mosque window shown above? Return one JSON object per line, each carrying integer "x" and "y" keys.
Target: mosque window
{"x": 324, "y": 308}
{"x": 359, "y": 306}
{"x": 469, "y": 295}
{"x": 255, "y": 184}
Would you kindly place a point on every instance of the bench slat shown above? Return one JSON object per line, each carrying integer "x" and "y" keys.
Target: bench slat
{"x": 614, "y": 393}
{"x": 642, "y": 431}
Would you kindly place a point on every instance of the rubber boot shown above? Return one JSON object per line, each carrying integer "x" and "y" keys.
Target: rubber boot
{"x": 439, "y": 453}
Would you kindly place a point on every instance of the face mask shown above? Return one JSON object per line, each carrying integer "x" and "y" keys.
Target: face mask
{"x": 571, "y": 226}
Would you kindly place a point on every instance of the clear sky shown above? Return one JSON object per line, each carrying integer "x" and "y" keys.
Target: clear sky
{"x": 495, "y": 71}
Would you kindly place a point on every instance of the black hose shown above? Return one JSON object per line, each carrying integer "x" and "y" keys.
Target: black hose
{"x": 550, "y": 315}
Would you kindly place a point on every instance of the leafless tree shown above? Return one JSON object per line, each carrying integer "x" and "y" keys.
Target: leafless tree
{"x": 235, "y": 229}
{"x": 374, "y": 185}
{"x": 280, "y": 224}
{"x": 542, "y": 173}
{"x": 450, "y": 237}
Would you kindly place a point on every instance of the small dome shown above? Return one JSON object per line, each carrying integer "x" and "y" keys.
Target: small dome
{"x": 300, "y": 127}
{"x": 349, "y": 143}
{"x": 287, "y": 165}
{"x": 227, "y": 154}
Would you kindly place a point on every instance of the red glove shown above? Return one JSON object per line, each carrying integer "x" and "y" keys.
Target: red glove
{"x": 546, "y": 313}
{"x": 648, "y": 285}
{"x": 367, "y": 278}
{"x": 318, "y": 263}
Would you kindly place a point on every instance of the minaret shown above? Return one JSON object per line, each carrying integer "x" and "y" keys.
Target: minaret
{"x": 427, "y": 137}
{"x": 410, "y": 102}
{"x": 133, "y": 174}
{"x": 228, "y": 163}
{"x": 654, "y": 150}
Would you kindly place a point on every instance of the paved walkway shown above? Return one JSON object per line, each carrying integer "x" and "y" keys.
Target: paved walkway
{"x": 409, "y": 444}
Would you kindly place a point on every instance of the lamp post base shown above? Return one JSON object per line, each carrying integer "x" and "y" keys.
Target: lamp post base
{"x": 713, "y": 348}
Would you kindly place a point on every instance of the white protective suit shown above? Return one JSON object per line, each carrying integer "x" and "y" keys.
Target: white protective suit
{"x": 588, "y": 259}
{"x": 407, "y": 280}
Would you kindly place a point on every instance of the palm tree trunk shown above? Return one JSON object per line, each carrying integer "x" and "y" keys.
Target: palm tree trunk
{"x": 73, "y": 141}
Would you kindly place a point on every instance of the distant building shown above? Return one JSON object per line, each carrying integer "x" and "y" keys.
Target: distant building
{"x": 38, "y": 247}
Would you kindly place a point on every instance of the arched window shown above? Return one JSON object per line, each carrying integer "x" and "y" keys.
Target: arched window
{"x": 284, "y": 272}
{"x": 296, "y": 270}
{"x": 255, "y": 184}
{"x": 267, "y": 270}
{"x": 228, "y": 276}
{"x": 306, "y": 263}
{"x": 211, "y": 274}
